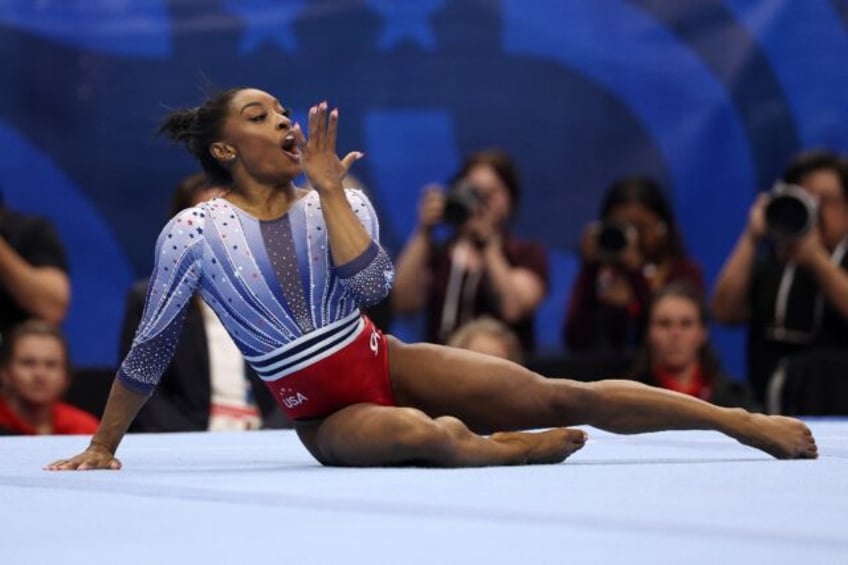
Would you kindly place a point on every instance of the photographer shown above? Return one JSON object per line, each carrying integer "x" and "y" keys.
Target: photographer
{"x": 634, "y": 251}
{"x": 481, "y": 269}
{"x": 792, "y": 292}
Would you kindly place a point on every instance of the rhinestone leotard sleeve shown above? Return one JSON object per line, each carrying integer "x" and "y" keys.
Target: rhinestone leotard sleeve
{"x": 176, "y": 274}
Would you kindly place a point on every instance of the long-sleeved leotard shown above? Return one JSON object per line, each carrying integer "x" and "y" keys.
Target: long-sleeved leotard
{"x": 272, "y": 283}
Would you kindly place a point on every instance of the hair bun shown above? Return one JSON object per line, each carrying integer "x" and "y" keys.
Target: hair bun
{"x": 180, "y": 125}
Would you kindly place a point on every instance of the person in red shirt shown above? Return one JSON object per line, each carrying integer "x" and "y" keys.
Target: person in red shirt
{"x": 677, "y": 354}
{"x": 34, "y": 374}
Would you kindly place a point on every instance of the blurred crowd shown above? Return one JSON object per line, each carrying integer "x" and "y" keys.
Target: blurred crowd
{"x": 639, "y": 308}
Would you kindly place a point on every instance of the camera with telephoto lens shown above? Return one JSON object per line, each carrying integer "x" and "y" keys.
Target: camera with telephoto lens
{"x": 790, "y": 212}
{"x": 461, "y": 201}
{"x": 613, "y": 239}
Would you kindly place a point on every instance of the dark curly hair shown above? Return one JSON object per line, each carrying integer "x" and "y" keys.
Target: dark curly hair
{"x": 199, "y": 127}
{"x": 815, "y": 160}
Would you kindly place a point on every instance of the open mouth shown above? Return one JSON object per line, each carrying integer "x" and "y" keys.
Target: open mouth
{"x": 290, "y": 147}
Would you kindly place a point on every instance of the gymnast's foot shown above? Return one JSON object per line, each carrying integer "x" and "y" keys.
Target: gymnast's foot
{"x": 779, "y": 436}
{"x": 550, "y": 446}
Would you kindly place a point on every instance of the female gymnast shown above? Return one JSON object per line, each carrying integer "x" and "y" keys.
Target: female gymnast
{"x": 287, "y": 269}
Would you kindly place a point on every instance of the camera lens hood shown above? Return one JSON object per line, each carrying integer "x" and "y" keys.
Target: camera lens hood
{"x": 790, "y": 212}
{"x": 460, "y": 204}
{"x": 613, "y": 238}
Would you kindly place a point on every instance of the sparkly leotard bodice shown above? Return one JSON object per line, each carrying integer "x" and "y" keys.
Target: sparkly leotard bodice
{"x": 272, "y": 283}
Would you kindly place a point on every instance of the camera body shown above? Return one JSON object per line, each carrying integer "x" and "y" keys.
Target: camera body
{"x": 613, "y": 239}
{"x": 790, "y": 212}
{"x": 461, "y": 202}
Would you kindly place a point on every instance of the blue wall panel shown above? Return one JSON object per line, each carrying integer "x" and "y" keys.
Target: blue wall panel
{"x": 710, "y": 97}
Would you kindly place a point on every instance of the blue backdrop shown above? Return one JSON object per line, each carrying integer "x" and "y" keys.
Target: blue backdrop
{"x": 711, "y": 97}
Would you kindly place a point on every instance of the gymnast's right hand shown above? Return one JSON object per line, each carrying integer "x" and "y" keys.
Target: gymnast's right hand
{"x": 94, "y": 457}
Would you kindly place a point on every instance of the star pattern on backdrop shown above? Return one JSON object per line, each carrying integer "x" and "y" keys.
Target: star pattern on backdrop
{"x": 266, "y": 21}
{"x": 406, "y": 21}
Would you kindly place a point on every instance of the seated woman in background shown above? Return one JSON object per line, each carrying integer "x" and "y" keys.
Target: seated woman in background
{"x": 481, "y": 269}
{"x": 677, "y": 354}
{"x": 34, "y": 374}
{"x": 634, "y": 251}
{"x": 489, "y": 336}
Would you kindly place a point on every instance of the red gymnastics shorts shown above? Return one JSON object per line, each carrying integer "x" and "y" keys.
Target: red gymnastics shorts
{"x": 348, "y": 372}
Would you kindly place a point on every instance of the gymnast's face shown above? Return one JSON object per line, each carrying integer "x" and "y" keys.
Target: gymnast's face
{"x": 257, "y": 139}
{"x": 36, "y": 374}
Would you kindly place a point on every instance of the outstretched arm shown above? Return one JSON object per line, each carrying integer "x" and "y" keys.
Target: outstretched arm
{"x": 121, "y": 407}
{"x": 150, "y": 353}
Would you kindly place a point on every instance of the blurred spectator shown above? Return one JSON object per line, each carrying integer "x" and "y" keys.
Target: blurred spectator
{"x": 34, "y": 279}
{"x": 482, "y": 269}
{"x": 633, "y": 251}
{"x": 34, "y": 374}
{"x": 489, "y": 336}
{"x": 208, "y": 385}
{"x": 677, "y": 354}
{"x": 792, "y": 292}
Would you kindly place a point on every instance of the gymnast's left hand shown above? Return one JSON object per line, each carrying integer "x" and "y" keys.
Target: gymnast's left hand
{"x": 94, "y": 457}
{"x": 320, "y": 163}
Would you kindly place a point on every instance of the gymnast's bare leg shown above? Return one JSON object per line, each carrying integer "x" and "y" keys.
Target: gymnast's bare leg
{"x": 488, "y": 394}
{"x": 365, "y": 435}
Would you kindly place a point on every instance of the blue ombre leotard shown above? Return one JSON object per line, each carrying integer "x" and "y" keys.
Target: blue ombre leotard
{"x": 272, "y": 283}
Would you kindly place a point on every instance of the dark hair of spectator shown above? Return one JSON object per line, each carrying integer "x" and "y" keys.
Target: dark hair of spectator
{"x": 813, "y": 161}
